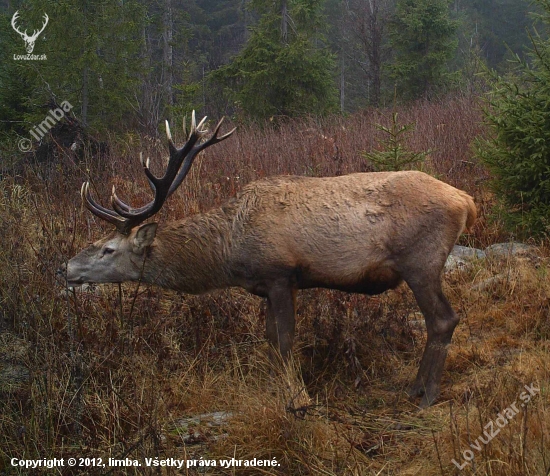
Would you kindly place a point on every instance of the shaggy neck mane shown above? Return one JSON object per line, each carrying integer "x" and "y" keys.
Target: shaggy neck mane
{"x": 191, "y": 255}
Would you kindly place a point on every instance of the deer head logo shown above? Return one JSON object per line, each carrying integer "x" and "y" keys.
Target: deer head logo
{"x": 29, "y": 40}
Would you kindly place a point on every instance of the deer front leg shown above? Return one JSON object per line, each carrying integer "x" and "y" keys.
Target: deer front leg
{"x": 280, "y": 318}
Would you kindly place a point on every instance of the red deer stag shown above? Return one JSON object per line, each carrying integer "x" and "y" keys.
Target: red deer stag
{"x": 361, "y": 233}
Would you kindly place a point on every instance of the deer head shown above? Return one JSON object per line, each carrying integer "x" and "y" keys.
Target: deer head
{"x": 120, "y": 256}
{"x": 29, "y": 40}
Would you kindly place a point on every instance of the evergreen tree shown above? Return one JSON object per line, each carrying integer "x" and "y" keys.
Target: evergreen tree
{"x": 392, "y": 153}
{"x": 518, "y": 153}
{"x": 93, "y": 61}
{"x": 500, "y": 27}
{"x": 283, "y": 69}
{"x": 423, "y": 38}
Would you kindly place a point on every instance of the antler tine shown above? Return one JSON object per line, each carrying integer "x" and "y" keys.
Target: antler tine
{"x": 215, "y": 139}
{"x": 142, "y": 161}
{"x": 162, "y": 185}
{"x": 225, "y": 136}
{"x": 117, "y": 203}
{"x": 168, "y": 131}
{"x": 178, "y": 155}
{"x": 145, "y": 165}
{"x": 14, "y": 26}
{"x": 98, "y": 210}
{"x": 193, "y": 122}
{"x": 191, "y": 140}
{"x": 37, "y": 32}
{"x": 125, "y": 217}
{"x": 191, "y": 156}
{"x": 200, "y": 125}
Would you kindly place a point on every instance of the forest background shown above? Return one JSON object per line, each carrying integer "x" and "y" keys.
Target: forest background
{"x": 128, "y": 65}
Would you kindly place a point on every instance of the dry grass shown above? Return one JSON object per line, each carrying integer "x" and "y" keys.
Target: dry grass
{"x": 117, "y": 372}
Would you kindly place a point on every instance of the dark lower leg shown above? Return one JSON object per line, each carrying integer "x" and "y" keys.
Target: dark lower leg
{"x": 280, "y": 319}
{"x": 429, "y": 374}
{"x": 441, "y": 321}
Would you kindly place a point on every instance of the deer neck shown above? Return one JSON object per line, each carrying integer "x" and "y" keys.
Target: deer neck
{"x": 191, "y": 255}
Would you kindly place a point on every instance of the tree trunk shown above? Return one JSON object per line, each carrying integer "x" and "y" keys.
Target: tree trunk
{"x": 85, "y": 82}
{"x": 284, "y": 21}
{"x": 342, "y": 84}
{"x": 168, "y": 27}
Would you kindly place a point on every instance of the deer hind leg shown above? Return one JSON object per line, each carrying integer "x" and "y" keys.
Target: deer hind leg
{"x": 280, "y": 318}
{"x": 441, "y": 321}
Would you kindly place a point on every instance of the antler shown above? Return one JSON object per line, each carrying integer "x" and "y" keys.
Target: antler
{"x": 123, "y": 216}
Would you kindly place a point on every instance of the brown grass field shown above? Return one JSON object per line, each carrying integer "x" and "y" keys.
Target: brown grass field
{"x": 125, "y": 371}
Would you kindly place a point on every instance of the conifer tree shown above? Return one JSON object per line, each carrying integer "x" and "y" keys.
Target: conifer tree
{"x": 518, "y": 152}
{"x": 423, "y": 38}
{"x": 284, "y": 69}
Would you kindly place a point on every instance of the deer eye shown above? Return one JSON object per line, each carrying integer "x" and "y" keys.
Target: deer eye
{"x": 108, "y": 251}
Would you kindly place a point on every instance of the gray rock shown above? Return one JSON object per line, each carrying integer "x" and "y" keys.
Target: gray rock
{"x": 466, "y": 252}
{"x": 191, "y": 429}
{"x": 454, "y": 263}
{"x": 511, "y": 249}
{"x": 461, "y": 257}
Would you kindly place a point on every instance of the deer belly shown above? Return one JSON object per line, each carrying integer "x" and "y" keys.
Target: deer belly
{"x": 349, "y": 278}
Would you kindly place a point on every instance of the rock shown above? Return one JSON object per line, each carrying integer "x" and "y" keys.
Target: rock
{"x": 466, "y": 252}
{"x": 461, "y": 257}
{"x": 198, "y": 428}
{"x": 511, "y": 249}
{"x": 453, "y": 263}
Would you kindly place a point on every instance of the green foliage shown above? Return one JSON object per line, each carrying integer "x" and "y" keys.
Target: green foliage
{"x": 392, "y": 155}
{"x": 423, "y": 38}
{"x": 273, "y": 77}
{"x": 15, "y": 85}
{"x": 110, "y": 61}
{"x": 93, "y": 62}
{"x": 189, "y": 98}
{"x": 500, "y": 26}
{"x": 518, "y": 153}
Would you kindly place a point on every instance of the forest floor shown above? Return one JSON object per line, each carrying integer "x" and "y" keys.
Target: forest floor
{"x": 143, "y": 374}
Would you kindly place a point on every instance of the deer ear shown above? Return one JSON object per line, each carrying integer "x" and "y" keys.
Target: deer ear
{"x": 145, "y": 236}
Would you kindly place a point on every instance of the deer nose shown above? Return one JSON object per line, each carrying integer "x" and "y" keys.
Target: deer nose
{"x": 61, "y": 272}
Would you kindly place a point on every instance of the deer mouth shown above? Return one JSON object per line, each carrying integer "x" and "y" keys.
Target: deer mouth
{"x": 63, "y": 279}
{"x": 75, "y": 283}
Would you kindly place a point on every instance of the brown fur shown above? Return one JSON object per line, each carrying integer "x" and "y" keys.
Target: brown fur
{"x": 362, "y": 233}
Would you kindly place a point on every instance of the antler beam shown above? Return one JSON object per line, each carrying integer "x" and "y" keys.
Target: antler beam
{"x": 125, "y": 217}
